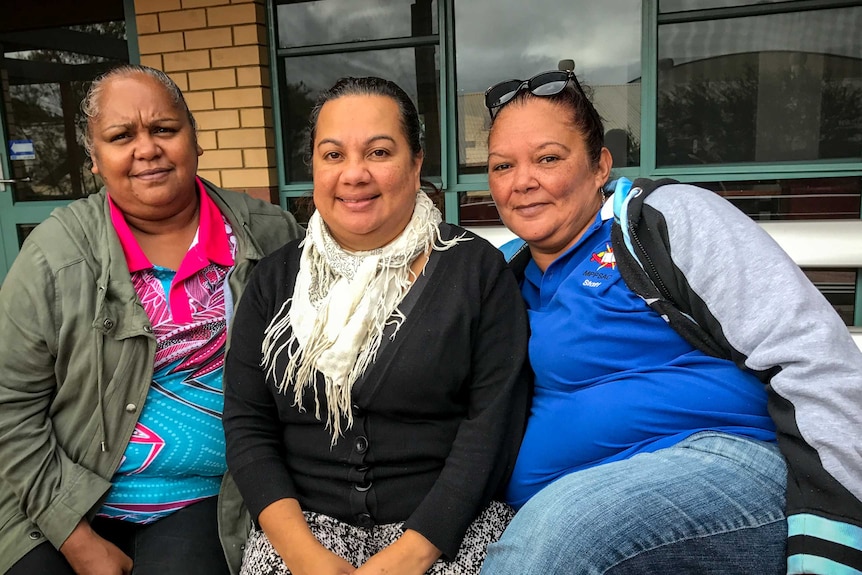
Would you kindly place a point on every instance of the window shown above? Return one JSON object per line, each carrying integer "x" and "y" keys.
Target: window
{"x": 493, "y": 43}
{"x": 686, "y": 5}
{"x": 793, "y": 199}
{"x": 322, "y": 41}
{"x": 778, "y": 87}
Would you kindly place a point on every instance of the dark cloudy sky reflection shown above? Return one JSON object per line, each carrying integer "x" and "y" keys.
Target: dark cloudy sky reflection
{"x": 494, "y": 40}
{"x": 525, "y": 38}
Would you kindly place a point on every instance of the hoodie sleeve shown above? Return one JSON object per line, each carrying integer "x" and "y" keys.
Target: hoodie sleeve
{"x": 742, "y": 286}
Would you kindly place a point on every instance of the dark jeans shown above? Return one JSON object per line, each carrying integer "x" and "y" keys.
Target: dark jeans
{"x": 184, "y": 543}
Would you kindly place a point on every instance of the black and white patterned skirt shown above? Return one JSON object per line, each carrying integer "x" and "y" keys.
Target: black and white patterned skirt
{"x": 357, "y": 544}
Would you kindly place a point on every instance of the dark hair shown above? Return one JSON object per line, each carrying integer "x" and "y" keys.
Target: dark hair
{"x": 583, "y": 115}
{"x": 91, "y": 105}
{"x": 371, "y": 86}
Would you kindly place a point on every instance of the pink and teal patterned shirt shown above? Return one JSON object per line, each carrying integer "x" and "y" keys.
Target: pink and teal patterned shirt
{"x": 176, "y": 455}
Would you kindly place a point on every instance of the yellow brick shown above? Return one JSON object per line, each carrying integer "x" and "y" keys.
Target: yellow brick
{"x": 259, "y": 158}
{"x": 218, "y": 120}
{"x": 183, "y": 20}
{"x": 239, "y": 56}
{"x": 207, "y": 140}
{"x": 243, "y": 98}
{"x": 153, "y": 61}
{"x": 212, "y": 175}
{"x": 193, "y": 60}
{"x": 211, "y": 38}
{"x": 212, "y": 79}
{"x": 245, "y": 138}
{"x": 199, "y": 100}
{"x": 215, "y": 159}
{"x": 252, "y": 76}
{"x": 252, "y": 118}
{"x": 248, "y": 178}
{"x": 249, "y": 34}
{"x": 181, "y": 79}
{"x": 203, "y": 3}
{"x": 161, "y": 43}
{"x": 147, "y": 24}
{"x": 151, "y": 6}
{"x": 236, "y": 14}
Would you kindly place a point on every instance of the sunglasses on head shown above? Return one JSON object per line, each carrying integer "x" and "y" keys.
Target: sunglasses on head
{"x": 544, "y": 84}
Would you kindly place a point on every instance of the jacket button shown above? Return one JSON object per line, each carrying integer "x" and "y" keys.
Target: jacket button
{"x": 148, "y": 328}
{"x": 362, "y": 487}
{"x": 364, "y": 520}
{"x": 131, "y": 408}
{"x": 108, "y": 323}
{"x": 361, "y": 444}
{"x": 357, "y": 411}
{"x": 34, "y": 535}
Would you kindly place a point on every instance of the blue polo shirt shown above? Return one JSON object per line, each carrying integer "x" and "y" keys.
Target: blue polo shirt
{"x": 612, "y": 378}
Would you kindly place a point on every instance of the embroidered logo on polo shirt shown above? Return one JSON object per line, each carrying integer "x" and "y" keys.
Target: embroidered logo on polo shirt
{"x": 606, "y": 258}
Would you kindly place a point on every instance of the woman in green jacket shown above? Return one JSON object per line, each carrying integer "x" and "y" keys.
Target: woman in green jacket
{"x": 113, "y": 320}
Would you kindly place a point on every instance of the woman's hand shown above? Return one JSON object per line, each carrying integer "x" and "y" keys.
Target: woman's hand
{"x": 90, "y": 554}
{"x": 288, "y": 532}
{"x": 411, "y": 554}
{"x": 318, "y": 560}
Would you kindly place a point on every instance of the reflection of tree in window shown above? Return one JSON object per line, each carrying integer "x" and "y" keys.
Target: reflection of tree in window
{"x": 297, "y": 101}
{"x": 763, "y": 113}
{"x": 45, "y": 92}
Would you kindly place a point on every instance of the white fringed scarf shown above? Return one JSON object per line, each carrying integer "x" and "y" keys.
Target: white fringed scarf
{"x": 341, "y": 303}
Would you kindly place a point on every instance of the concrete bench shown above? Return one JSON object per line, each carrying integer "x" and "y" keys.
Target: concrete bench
{"x": 812, "y": 244}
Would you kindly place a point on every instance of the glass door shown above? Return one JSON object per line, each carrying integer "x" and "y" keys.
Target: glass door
{"x": 45, "y": 72}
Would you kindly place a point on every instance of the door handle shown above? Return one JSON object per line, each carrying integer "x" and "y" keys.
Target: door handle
{"x": 17, "y": 180}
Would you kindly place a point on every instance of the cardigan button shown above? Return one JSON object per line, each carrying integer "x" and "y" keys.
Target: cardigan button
{"x": 131, "y": 408}
{"x": 361, "y": 444}
{"x": 365, "y": 520}
{"x": 34, "y": 535}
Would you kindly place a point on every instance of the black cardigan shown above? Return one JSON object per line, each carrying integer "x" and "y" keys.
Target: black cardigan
{"x": 438, "y": 417}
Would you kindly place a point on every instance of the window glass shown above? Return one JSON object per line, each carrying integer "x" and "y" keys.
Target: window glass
{"x": 525, "y": 38}
{"x": 685, "y": 5}
{"x": 478, "y": 209}
{"x": 796, "y": 199}
{"x": 782, "y": 87}
{"x": 45, "y": 86}
{"x": 416, "y": 70}
{"x": 839, "y": 288}
{"x": 336, "y": 21}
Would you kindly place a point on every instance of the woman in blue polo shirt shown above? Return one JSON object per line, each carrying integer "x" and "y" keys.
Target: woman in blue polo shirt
{"x": 642, "y": 453}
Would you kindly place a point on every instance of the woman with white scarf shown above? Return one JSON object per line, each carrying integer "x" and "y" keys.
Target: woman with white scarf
{"x": 376, "y": 387}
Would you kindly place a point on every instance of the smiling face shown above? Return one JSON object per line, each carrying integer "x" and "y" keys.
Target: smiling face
{"x": 365, "y": 175}
{"x": 144, "y": 149}
{"x": 541, "y": 177}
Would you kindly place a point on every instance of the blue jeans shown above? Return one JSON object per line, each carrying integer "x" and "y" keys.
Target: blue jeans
{"x": 712, "y": 504}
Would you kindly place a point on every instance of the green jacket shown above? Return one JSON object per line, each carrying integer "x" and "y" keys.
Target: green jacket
{"x": 76, "y": 362}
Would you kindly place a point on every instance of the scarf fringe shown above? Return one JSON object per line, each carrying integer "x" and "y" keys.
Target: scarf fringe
{"x": 382, "y": 290}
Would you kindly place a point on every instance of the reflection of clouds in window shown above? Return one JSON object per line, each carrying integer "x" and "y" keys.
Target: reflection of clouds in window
{"x": 683, "y": 5}
{"x": 833, "y": 32}
{"x": 493, "y": 44}
{"x": 320, "y": 72}
{"x": 335, "y": 21}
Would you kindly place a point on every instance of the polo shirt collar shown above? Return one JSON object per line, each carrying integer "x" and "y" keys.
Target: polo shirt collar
{"x": 211, "y": 238}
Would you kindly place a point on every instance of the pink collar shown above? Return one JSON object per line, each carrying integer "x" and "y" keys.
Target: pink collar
{"x": 210, "y": 244}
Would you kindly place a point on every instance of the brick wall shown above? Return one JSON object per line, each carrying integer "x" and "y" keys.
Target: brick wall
{"x": 216, "y": 51}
